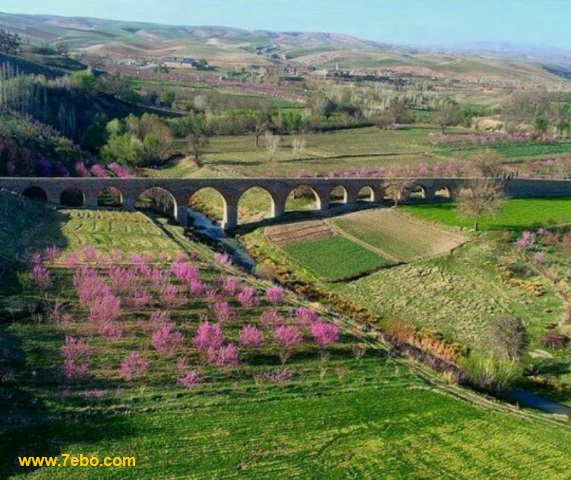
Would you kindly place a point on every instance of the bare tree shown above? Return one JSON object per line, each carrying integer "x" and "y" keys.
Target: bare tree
{"x": 481, "y": 197}
{"x": 298, "y": 147}
{"x": 508, "y": 338}
{"x": 446, "y": 113}
{"x": 487, "y": 163}
{"x": 197, "y": 141}
{"x": 271, "y": 143}
{"x": 398, "y": 183}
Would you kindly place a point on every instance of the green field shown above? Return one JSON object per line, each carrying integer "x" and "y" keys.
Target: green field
{"x": 517, "y": 214}
{"x": 343, "y": 416}
{"x": 334, "y": 258}
{"x": 396, "y": 235}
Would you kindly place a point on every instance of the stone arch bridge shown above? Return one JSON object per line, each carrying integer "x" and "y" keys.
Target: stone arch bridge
{"x": 231, "y": 190}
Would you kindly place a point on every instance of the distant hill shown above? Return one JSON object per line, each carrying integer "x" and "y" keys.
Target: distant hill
{"x": 227, "y": 47}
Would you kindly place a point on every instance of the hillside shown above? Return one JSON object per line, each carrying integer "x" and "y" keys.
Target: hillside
{"x": 346, "y": 408}
{"x": 225, "y": 46}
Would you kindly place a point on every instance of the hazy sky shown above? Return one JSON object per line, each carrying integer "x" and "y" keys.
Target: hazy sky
{"x": 412, "y": 22}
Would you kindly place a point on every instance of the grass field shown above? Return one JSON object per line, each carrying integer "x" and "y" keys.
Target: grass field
{"x": 352, "y": 148}
{"x": 337, "y": 418}
{"x": 334, "y": 258}
{"x": 517, "y": 214}
{"x": 398, "y": 236}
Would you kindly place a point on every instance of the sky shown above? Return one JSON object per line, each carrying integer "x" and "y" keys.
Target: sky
{"x": 405, "y": 22}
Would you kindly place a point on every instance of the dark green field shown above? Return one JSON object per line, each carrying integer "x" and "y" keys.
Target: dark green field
{"x": 335, "y": 258}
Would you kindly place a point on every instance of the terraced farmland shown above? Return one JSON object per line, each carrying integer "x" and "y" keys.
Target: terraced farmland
{"x": 398, "y": 236}
{"x": 299, "y": 232}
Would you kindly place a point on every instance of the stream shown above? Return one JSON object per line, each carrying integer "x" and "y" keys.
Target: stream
{"x": 204, "y": 227}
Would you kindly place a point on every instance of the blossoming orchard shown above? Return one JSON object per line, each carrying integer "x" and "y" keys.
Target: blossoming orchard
{"x": 180, "y": 321}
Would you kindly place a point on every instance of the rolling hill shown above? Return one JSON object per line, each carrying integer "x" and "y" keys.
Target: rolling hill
{"x": 226, "y": 46}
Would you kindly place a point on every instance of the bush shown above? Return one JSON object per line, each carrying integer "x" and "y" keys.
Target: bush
{"x": 492, "y": 374}
{"x": 554, "y": 340}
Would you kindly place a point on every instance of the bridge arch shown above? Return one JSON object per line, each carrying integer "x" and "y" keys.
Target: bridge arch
{"x": 297, "y": 199}
{"x": 443, "y": 192}
{"x": 210, "y": 202}
{"x": 249, "y": 202}
{"x": 366, "y": 194}
{"x": 35, "y": 193}
{"x": 110, "y": 196}
{"x": 417, "y": 192}
{"x": 72, "y": 197}
{"x": 157, "y": 198}
{"x": 338, "y": 195}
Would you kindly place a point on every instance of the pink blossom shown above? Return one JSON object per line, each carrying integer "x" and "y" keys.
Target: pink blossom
{"x": 223, "y": 356}
{"x": 324, "y": 333}
{"x": 223, "y": 311}
{"x": 287, "y": 337}
{"x": 166, "y": 340}
{"x": 119, "y": 171}
{"x": 208, "y": 335}
{"x": 197, "y": 288}
{"x": 247, "y": 297}
{"x": 90, "y": 254}
{"x": 52, "y": 254}
{"x": 81, "y": 170}
{"x": 185, "y": 272}
{"x": 41, "y": 277}
{"x": 251, "y": 337}
{"x": 111, "y": 330}
{"x": 105, "y": 309}
{"x": 133, "y": 366}
{"x": 230, "y": 285}
{"x": 71, "y": 260}
{"x": 170, "y": 298}
{"x": 271, "y": 319}
{"x": 76, "y": 355}
{"x": 540, "y": 257}
{"x": 138, "y": 299}
{"x": 527, "y": 239}
{"x": 222, "y": 259}
{"x": 305, "y": 317}
{"x": 275, "y": 295}
{"x": 99, "y": 171}
{"x": 190, "y": 380}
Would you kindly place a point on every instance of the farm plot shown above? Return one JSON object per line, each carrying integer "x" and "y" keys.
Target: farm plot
{"x": 458, "y": 296}
{"x": 517, "y": 214}
{"x": 335, "y": 258}
{"x": 299, "y": 232}
{"x": 398, "y": 236}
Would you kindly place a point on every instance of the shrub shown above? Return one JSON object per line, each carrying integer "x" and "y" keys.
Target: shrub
{"x": 552, "y": 339}
{"x": 190, "y": 380}
{"x": 76, "y": 355}
{"x": 223, "y": 356}
{"x": 133, "y": 366}
{"x": 492, "y": 374}
{"x": 251, "y": 337}
{"x": 287, "y": 337}
{"x": 508, "y": 338}
{"x": 324, "y": 333}
{"x": 208, "y": 335}
{"x": 165, "y": 340}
